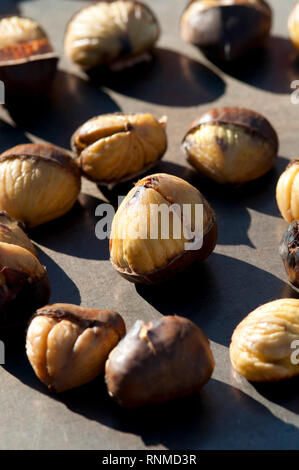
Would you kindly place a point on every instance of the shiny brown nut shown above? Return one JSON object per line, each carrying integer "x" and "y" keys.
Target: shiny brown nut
{"x": 289, "y": 251}
{"x": 287, "y": 192}
{"x": 141, "y": 247}
{"x": 110, "y": 31}
{"x": 231, "y": 145}
{"x": 293, "y": 25}
{"x": 27, "y": 60}
{"x": 38, "y": 183}
{"x": 12, "y": 232}
{"x": 67, "y": 345}
{"x": 24, "y": 285}
{"x": 264, "y": 343}
{"x": 112, "y": 148}
{"x": 157, "y": 362}
{"x": 226, "y": 29}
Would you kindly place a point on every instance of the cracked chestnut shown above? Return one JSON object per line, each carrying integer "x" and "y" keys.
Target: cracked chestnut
{"x": 38, "y": 183}
{"x": 231, "y": 145}
{"x": 159, "y": 361}
{"x": 67, "y": 346}
{"x": 150, "y": 248}
{"x": 116, "y": 33}
{"x": 287, "y": 192}
{"x": 289, "y": 251}
{"x": 113, "y": 148}
{"x": 226, "y": 29}
{"x": 27, "y": 60}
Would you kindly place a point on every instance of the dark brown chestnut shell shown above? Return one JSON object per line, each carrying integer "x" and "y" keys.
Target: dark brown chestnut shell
{"x": 289, "y": 251}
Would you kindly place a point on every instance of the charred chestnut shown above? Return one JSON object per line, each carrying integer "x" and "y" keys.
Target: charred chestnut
{"x": 226, "y": 29}
{"x": 157, "y": 362}
{"x": 116, "y": 147}
{"x": 231, "y": 145}
{"x": 289, "y": 251}
{"x": 38, "y": 183}
{"x": 116, "y": 33}
{"x": 162, "y": 226}
{"x": 287, "y": 192}
{"x": 68, "y": 345}
{"x": 27, "y": 60}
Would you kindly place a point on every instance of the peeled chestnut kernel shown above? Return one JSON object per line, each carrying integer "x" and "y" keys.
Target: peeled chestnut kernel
{"x": 287, "y": 192}
{"x": 38, "y": 183}
{"x": 112, "y": 148}
{"x": 289, "y": 251}
{"x": 157, "y": 362}
{"x": 27, "y": 60}
{"x": 67, "y": 346}
{"x": 115, "y": 33}
{"x": 293, "y": 25}
{"x": 262, "y": 345}
{"x": 142, "y": 247}
{"x": 226, "y": 29}
{"x": 231, "y": 145}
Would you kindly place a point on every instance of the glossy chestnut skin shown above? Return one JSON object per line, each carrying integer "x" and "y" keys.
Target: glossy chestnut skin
{"x": 287, "y": 192}
{"x": 38, "y": 183}
{"x": 27, "y": 61}
{"x": 289, "y": 251}
{"x": 231, "y": 145}
{"x": 226, "y": 30}
{"x": 148, "y": 259}
{"x": 68, "y": 345}
{"x": 158, "y": 362}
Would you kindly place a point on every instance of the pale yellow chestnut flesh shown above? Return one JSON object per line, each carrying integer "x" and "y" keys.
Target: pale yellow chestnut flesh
{"x": 263, "y": 346}
{"x": 287, "y": 192}
{"x": 67, "y": 345}
{"x": 293, "y": 25}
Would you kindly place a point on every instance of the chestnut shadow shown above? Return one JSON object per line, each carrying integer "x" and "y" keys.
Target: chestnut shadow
{"x": 272, "y": 67}
{"x": 216, "y": 294}
{"x": 170, "y": 79}
{"x": 284, "y": 393}
{"x": 9, "y": 7}
{"x": 10, "y": 136}
{"x": 71, "y": 101}
{"x": 74, "y": 233}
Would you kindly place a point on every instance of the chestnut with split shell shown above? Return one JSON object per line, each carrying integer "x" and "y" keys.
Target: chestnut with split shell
{"x": 293, "y": 25}
{"x": 231, "y": 145}
{"x": 38, "y": 183}
{"x": 114, "y": 148}
{"x": 226, "y": 29}
{"x": 159, "y": 361}
{"x": 287, "y": 192}
{"x": 67, "y": 345}
{"x": 150, "y": 248}
{"x": 289, "y": 251}
{"x": 117, "y": 33}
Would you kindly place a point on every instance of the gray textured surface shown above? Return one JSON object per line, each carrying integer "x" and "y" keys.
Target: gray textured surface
{"x": 244, "y": 272}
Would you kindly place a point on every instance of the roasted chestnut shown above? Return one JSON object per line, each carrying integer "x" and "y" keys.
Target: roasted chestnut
{"x": 287, "y": 192}
{"x": 27, "y": 60}
{"x": 24, "y": 283}
{"x": 68, "y": 345}
{"x": 38, "y": 183}
{"x": 264, "y": 343}
{"x": 226, "y": 29}
{"x": 289, "y": 251}
{"x": 157, "y": 362}
{"x": 115, "y": 33}
{"x": 116, "y": 147}
{"x": 293, "y": 25}
{"x": 231, "y": 145}
{"x": 162, "y": 226}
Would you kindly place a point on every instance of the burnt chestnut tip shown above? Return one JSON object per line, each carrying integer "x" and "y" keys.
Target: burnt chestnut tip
{"x": 289, "y": 252}
{"x": 175, "y": 266}
{"x": 251, "y": 121}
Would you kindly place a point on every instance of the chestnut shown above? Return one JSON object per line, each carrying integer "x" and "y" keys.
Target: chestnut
{"x": 289, "y": 251}
{"x": 262, "y": 344}
{"x": 231, "y": 145}
{"x": 24, "y": 283}
{"x": 287, "y": 192}
{"x": 113, "y": 148}
{"x": 159, "y": 361}
{"x": 27, "y": 60}
{"x": 67, "y": 346}
{"x": 293, "y": 25}
{"x": 226, "y": 29}
{"x": 150, "y": 248}
{"x": 38, "y": 183}
{"x": 113, "y": 33}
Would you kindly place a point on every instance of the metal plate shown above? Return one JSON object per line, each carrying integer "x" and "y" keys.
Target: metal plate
{"x": 244, "y": 272}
